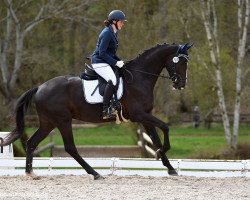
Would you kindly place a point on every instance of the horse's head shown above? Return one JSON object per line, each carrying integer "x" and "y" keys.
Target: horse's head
{"x": 177, "y": 66}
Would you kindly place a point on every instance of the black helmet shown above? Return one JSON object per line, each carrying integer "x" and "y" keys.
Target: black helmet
{"x": 117, "y": 15}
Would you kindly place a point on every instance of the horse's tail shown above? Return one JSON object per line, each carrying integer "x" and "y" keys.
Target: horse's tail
{"x": 21, "y": 107}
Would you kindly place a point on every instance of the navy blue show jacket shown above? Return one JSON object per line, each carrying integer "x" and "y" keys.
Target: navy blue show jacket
{"x": 106, "y": 47}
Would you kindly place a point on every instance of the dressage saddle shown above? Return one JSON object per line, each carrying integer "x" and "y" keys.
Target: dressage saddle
{"x": 90, "y": 74}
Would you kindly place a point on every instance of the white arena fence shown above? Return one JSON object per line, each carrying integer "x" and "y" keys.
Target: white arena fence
{"x": 124, "y": 167}
{"x": 11, "y": 166}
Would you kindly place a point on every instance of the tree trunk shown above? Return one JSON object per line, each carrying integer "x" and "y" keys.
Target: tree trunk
{"x": 3, "y": 57}
{"x": 211, "y": 31}
{"x": 72, "y": 37}
{"x": 18, "y": 59}
{"x": 10, "y": 78}
{"x": 242, "y": 28}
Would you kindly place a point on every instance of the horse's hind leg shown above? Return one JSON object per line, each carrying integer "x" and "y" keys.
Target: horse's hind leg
{"x": 33, "y": 142}
{"x": 68, "y": 140}
{"x": 157, "y": 142}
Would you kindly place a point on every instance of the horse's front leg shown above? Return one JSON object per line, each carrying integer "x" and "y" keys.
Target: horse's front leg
{"x": 151, "y": 131}
{"x": 151, "y": 121}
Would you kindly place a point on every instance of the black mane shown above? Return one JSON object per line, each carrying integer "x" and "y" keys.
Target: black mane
{"x": 147, "y": 52}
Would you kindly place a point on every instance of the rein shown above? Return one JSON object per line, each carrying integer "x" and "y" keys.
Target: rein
{"x": 175, "y": 77}
{"x": 148, "y": 73}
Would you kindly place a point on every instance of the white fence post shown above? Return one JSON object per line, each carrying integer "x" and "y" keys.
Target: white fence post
{"x": 113, "y": 167}
{"x": 6, "y": 151}
{"x": 178, "y": 167}
{"x": 1, "y": 140}
{"x": 244, "y": 166}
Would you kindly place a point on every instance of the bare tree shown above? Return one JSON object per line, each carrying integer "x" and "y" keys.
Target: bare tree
{"x": 210, "y": 21}
{"x": 21, "y": 32}
{"x": 22, "y": 28}
{"x": 243, "y": 23}
{"x": 3, "y": 55}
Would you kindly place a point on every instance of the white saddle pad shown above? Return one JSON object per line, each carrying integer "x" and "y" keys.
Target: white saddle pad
{"x": 89, "y": 87}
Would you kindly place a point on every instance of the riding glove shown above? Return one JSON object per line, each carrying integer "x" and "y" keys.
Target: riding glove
{"x": 120, "y": 64}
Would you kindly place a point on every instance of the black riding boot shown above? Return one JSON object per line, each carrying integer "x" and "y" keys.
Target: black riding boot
{"x": 108, "y": 93}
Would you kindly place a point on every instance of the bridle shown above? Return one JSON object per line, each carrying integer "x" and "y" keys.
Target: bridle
{"x": 174, "y": 77}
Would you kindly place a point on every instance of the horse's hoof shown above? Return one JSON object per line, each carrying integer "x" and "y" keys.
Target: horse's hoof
{"x": 158, "y": 154}
{"x": 98, "y": 177}
{"x": 30, "y": 174}
{"x": 172, "y": 172}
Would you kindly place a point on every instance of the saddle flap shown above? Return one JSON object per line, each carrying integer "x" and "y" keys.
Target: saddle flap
{"x": 93, "y": 98}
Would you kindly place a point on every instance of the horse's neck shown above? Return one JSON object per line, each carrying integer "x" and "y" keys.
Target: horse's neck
{"x": 154, "y": 63}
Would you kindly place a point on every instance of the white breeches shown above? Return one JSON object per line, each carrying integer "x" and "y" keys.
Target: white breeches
{"x": 105, "y": 71}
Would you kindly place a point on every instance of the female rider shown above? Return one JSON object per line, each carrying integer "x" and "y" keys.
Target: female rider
{"x": 104, "y": 57}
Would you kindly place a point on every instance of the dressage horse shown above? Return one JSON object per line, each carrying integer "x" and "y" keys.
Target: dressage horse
{"x": 61, "y": 99}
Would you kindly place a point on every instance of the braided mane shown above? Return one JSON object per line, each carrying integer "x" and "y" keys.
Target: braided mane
{"x": 146, "y": 52}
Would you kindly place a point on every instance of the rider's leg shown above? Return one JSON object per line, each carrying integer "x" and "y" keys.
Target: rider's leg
{"x": 106, "y": 72}
{"x": 108, "y": 93}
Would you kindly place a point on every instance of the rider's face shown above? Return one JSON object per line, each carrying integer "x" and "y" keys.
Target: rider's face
{"x": 120, "y": 24}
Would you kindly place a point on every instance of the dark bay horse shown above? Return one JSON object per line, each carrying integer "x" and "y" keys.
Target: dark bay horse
{"x": 61, "y": 99}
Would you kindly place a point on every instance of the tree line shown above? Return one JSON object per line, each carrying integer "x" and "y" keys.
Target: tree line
{"x": 43, "y": 39}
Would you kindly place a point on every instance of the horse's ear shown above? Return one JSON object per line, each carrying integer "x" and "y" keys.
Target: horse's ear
{"x": 184, "y": 48}
{"x": 189, "y": 46}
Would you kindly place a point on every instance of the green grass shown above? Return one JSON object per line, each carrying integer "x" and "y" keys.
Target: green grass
{"x": 104, "y": 135}
{"x": 192, "y": 143}
{"x": 186, "y": 142}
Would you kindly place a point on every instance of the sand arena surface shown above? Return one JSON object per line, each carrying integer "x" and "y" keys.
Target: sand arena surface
{"x": 131, "y": 188}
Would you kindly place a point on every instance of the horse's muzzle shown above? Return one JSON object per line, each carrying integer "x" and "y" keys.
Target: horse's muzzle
{"x": 179, "y": 85}
{"x": 179, "y": 88}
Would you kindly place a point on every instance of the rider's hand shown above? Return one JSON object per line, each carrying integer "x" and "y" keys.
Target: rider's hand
{"x": 120, "y": 64}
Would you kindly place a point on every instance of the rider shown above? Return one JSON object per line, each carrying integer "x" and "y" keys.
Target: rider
{"x": 104, "y": 57}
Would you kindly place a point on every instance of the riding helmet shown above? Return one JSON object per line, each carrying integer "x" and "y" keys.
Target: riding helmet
{"x": 117, "y": 15}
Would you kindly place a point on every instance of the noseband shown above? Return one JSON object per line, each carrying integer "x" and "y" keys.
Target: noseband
{"x": 176, "y": 77}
